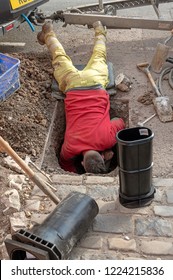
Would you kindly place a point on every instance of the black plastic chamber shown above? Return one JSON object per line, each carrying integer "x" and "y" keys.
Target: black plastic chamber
{"x": 135, "y": 161}
{"x": 59, "y": 232}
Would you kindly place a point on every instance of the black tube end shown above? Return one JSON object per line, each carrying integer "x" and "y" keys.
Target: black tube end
{"x": 136, "y": 202}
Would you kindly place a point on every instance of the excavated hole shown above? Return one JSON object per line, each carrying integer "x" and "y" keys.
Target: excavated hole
{"x": 119, "y": 108}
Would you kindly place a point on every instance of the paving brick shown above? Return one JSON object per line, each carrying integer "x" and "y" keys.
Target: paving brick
{"x": 64, "y": 190}
{"x": 107, "y": 207}
{"x": 164, "y": 211}
{"x": 107, "y": 193}
{"x": 92, "y": 242}
{"x": 121, "y": 244}
{"x": 157, "y": 247}
{"x": 113, "y": 223}
{"x": 67, "y": 179}
{"x": 169, "y": 196}
{"x": 153, "y": 227}
{"x": 158, "y": 196}
{"x": 161, "y": 182}
{"x": 99, "y": 180}
{"x": 89, "y": 254}
{"x": 142, "y": 210}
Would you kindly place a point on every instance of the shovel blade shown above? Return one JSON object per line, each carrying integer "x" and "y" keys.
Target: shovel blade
{"x": 163, "y": 108}
{"x": 159, "y": 57}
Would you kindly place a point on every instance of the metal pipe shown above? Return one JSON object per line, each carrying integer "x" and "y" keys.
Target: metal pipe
{"x": 115, "y": 22}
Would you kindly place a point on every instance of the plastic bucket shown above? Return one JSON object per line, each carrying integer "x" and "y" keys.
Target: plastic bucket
{"x": 135, "y": 162}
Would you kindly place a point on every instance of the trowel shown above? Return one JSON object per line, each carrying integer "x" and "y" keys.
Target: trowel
{"x": 161, "y": 103}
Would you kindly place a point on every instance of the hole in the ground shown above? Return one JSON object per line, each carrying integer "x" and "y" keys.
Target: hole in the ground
{"x": 118, "y": 108}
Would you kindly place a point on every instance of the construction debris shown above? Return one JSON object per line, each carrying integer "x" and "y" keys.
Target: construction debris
{"x": 11, "y": 200}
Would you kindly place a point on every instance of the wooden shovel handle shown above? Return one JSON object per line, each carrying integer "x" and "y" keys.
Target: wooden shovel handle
{"x": 144, "y": 67}
{"x": 5, "y": 147}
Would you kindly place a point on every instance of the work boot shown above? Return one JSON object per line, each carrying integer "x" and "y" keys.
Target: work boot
{"x": 40, "y": 38}
{"x": 46, "y": 28}
{"x": 99, "y": 28}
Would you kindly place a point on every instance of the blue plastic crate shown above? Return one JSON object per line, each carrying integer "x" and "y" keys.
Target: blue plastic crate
{"x": 9, "y": 76}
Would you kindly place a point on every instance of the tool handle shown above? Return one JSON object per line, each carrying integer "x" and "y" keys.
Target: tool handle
{"x": 153, "y": 83}
{"x": 148, "y": 119}
{"x": 144, "y": 67}
{"x": 5, "y": 147}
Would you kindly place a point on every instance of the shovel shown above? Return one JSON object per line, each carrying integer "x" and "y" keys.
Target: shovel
{"x": 161, "y": 103}
{"x": 160, "y": 55}
{"x": 5, "y": 147}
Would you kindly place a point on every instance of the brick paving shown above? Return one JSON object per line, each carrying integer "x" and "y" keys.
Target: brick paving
{"x": 118, "y": 232}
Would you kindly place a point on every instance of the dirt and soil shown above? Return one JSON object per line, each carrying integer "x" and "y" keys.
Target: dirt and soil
{"x": 25, "y": 116}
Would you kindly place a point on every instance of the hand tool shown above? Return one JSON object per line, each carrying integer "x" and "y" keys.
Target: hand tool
{"x": 147, "y": 120}
{"x": 161, "y": 103}
{"x": 160, "y": 55}
{"x": 5, "y": 147}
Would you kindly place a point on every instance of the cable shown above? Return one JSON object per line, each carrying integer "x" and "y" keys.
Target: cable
{"x": 171, "y": 78}
{"x": 29, "y": 22}
{"x": 168, "y": 70}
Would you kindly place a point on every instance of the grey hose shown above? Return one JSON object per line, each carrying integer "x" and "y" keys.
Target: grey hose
{"x": 168, "y": 70}
{"x": 171, "y": 78}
